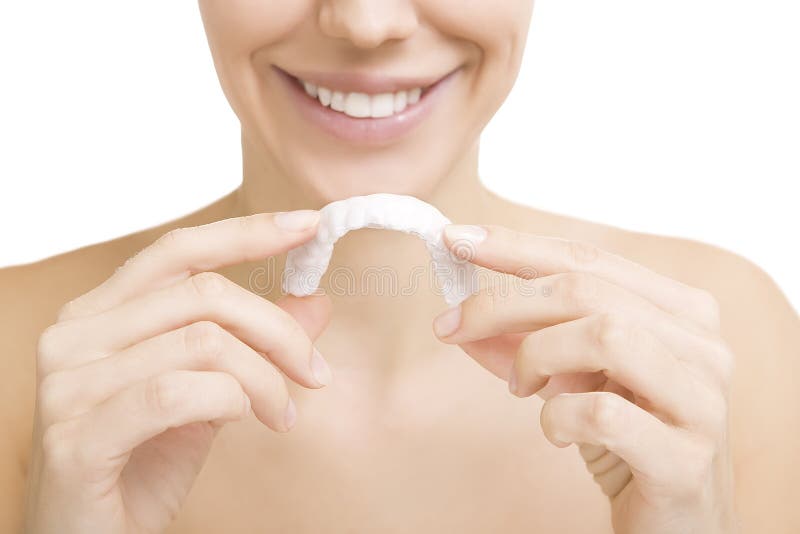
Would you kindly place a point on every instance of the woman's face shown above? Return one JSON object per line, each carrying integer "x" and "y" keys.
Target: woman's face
{"x": 369, "y": 58}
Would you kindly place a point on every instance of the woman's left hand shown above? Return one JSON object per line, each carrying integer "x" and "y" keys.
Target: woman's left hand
{"x": 630, "y": 363}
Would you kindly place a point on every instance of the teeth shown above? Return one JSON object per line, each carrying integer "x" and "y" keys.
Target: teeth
{"x": 357, "y": 105}
{"x": 337, "y": 101}
{"x": 382, "y": 105}
{"x": 400, "y": 101}
{"x": 324, "y": 96}
{"x": 362, "y": 105}
{"x": 311, "y": 89}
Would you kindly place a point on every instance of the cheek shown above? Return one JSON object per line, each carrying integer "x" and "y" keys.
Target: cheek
{"x": 236, "y": 29}
{"x": 498, "y": 30}
{"x": 251, "y": 23}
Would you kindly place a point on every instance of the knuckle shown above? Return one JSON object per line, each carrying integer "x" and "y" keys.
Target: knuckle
{"x": 605, "y": 413}
{"x": 208, "y": 284}
{"x": 579, "y": 291}
{"x": 717, "y": 406}
{"x": 171, "y": 239}
{"x": 581, "y": 253}
{"x": 161, "y": 394}
{"x": 720, "y": 362}
{"x": 528, "y": 358}
{"x": 708, "y": 307}
{"x": 51, "y": 396}
{"x": 68, "y": 310}
{"x": 698, "y": 465}
{"x": 58, "y": 450}
{"x": 245, "y": 223}
{"x": 726, "y": 360}
{"x": 203, "y": 341}
{"x": 529, "y": 346}
{"x": 47, "y": 348}
{"x": 48, "y": 339}
{"x": 612, "y": 332}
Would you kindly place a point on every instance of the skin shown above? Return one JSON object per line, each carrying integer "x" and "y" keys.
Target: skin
{"x": 667, "y": 364}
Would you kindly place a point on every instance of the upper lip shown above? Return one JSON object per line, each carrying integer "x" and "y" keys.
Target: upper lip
{"x": 363, "y": 82}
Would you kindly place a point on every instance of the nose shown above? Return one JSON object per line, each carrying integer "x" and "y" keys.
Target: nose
{"x": 368, "y": 23}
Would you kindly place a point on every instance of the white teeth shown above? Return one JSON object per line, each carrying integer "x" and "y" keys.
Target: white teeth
{"x": 400, "y": 101}
{"x": 311, "y": 89}
{"x": 357, "y": 105}
{"x": 324, "y": 96}
{"x": 362, "y": 105}
{"x": 337, "y": 101}
{"x": 382, "y": 105}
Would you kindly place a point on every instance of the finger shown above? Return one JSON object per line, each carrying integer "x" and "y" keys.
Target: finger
{"x": 609, "y": 471}
{"x": 497, "y": 355}
{"x": 628, "y": 354}
{"x": 206, "y": 296}
{"x": 659, "y": 454}
{"x": 533, "y": 304}
{"x": 201, "y": 346}
{"x": 532, "y": 256}
{"x": 559, "y": 298}
{"x": 182, "y": 252}
{"x": 103, "y": 437}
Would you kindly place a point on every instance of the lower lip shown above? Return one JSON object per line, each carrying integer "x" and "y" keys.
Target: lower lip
{"x": 365, "y": 131}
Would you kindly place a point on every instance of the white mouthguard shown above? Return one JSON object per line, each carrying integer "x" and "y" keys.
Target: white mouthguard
{"x": 306, "y": 264}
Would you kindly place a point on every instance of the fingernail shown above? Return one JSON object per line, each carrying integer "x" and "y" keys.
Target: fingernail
{"x": 294, "y": 221}
{"x": 247, "y": 406}
{"x": 512, "y": 383}
{"x": 448, "y": 322}
{"x": 291, "y": 414}
{"x": 320, "y": 369}
{"x": 464, "y": 239}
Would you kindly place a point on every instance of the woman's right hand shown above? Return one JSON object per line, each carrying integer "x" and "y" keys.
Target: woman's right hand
{"x": 137, "y": 375}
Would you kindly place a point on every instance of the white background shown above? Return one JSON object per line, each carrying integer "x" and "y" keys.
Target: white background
{"x": 678, "y": 118}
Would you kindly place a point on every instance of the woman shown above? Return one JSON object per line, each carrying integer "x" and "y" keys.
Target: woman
{"x": 349, "y": 413}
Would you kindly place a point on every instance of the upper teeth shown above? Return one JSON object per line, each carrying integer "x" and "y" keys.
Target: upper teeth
{"x": 361, "y": 104}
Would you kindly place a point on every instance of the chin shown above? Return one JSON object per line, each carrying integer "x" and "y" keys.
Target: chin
{"x": 344, "y": 181}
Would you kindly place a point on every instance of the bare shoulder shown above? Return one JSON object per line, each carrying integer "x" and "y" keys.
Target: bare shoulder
{"x": 761, "y": 328}
{"x": 32, "y": 295}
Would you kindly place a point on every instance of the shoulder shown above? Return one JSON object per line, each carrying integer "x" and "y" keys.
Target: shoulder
{"x": 746, "y": 293}
{"x": 32, "y": 294}
{"x": 748, "y": 296}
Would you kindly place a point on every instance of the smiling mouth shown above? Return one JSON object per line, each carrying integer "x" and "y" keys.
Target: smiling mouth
{"x": 362, "y": 95}
{"x": 363, "y": 105}
{"x": 365, "y": 109}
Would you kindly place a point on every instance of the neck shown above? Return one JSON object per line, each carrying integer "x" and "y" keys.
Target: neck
{"x": 382, "y": 298}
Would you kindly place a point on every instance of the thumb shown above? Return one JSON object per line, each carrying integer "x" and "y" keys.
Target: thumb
{"x": 312, "y": 312}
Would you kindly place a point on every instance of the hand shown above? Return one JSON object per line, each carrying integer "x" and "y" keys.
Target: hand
{"x": 631, "y": 365}
{"x": 137, "y": 376}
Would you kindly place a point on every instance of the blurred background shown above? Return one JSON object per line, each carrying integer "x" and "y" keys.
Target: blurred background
{"x": 678, "y": 118}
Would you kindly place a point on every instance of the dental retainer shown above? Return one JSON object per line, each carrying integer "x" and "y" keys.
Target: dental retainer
{"x": 306, "y": 264}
